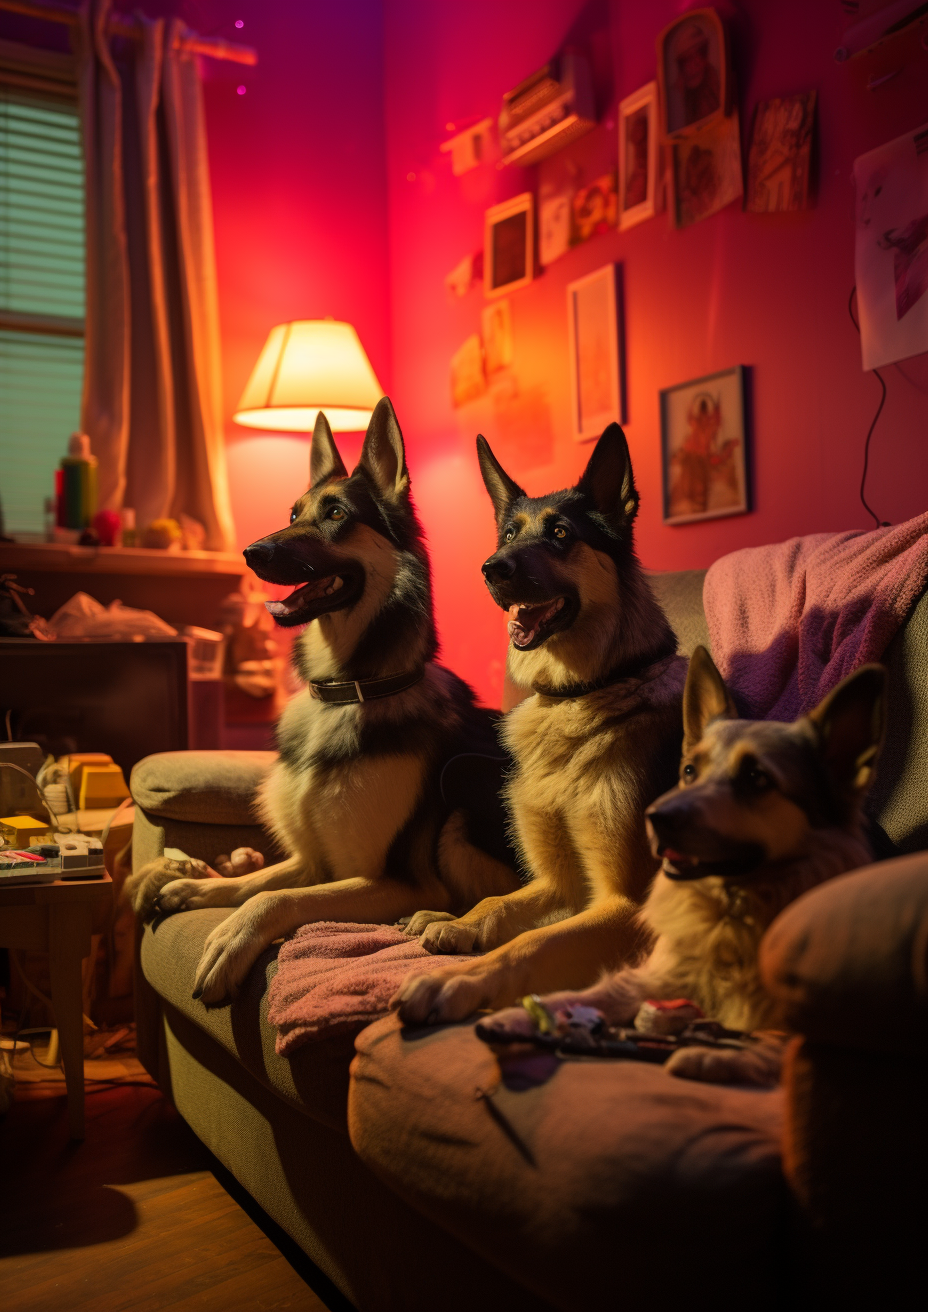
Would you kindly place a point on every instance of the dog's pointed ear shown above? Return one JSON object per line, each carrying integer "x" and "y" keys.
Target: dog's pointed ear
{"x": 608, "y": 480}
{"x": 503, "y": 490}
{"x": 324, "y": 460}
{"x": 383, "y": 455}
{"x": 705, "y": 698}
{"x": 851, "y": 723}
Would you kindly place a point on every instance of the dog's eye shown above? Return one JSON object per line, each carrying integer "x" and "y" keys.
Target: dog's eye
{"x": 688, "y": 773}
{"x": 509, "y": 534}
{"x": 336, "y": 513}
{"x": 759, "y": 780}
{"x": 293, "y": 514}
{"x": 561, "y": 533}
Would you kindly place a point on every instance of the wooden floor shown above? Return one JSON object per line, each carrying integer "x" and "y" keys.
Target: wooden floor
{"x": 132, "y": 1218}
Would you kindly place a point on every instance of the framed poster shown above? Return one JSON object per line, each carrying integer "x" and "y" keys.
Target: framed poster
{"x": 703, "y": 448}
{"x": 509, "y": 245}
{"x": 639, "y": 156}
{"x": 692, "y": 69}
{"x": 597, "y": 352}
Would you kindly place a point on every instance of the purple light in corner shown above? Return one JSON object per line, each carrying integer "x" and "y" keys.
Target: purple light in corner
{"x": 240, "y": 91}
{"x": 239, "y": 23}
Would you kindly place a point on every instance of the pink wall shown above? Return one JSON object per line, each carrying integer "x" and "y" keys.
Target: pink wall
{"x": 766, "y": 291}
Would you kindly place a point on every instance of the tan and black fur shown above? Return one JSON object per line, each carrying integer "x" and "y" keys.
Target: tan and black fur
{"x": 355, "y": 795}
{"x": 594, "y": 743}
{"x": 762, "y": 812}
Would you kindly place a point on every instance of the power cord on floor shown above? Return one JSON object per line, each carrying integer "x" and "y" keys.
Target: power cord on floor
{"x": 879, "y": 523}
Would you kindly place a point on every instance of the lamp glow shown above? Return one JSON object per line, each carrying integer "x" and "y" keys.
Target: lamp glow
{"x": 307, "y": 366}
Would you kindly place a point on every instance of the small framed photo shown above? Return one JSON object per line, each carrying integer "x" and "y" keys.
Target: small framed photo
{"x": 706, "y": 173}
{"x": 639, "y": 156}
{"x": 597, "y": 352}
{"x": 692, "y": 69}
{"x": 704, "y": 448}
{"x": 468, "y": 372}
{"x": 780, "y": 157}
{"x": 509, "y": 245}
{"x": 496, "y": 321}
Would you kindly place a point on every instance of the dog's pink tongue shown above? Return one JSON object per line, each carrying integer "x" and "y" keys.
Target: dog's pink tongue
{"x": 517, "y": 631}
{"x": 306, "y": 591}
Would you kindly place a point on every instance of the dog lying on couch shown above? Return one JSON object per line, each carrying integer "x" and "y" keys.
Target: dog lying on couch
{"x": 762, "y": 813}
{"x": 355, "y": 797}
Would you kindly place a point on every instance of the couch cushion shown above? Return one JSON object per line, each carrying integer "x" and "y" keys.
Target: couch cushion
{"x": 680, "y": 594}
{"x": 315, "y": 1079}
{"x": 849, "y": 960}
{"x": 215, "y": 788}
{"x": 612, "y": 1185}
{"x": 899, "y": 796}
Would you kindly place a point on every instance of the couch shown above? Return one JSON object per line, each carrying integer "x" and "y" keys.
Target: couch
{"x": 419, "y": 1179}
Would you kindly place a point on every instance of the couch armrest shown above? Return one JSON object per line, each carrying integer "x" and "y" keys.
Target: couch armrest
{"x": 848, "y": 961}
{"x": 214, "y": 788}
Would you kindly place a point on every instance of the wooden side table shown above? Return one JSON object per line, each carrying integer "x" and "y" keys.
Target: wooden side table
{"x": 58, "y": 918}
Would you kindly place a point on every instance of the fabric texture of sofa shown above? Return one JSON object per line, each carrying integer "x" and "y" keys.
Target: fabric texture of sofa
{"x": 474, "y": 1195}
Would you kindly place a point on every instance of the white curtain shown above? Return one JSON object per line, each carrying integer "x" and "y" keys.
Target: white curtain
{"x": 152, "y": 401}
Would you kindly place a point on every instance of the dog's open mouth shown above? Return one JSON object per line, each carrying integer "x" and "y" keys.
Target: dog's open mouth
{"x": 683, "y": 865}
{"x": 530, "y": 625}
{"x": 317, "y": 597}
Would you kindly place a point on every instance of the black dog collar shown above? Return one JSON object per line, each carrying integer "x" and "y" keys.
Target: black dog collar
{"x": 365, "y": 690}
{"x": 615, "y": 675}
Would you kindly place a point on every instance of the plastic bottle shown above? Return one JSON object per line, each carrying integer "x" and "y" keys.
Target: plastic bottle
{"x": 78, "y": 483}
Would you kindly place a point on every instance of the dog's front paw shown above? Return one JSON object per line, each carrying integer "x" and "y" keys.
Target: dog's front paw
{"x": 243, "y": 861}
{"x": 192, "y": 895}
{"x": 439, "y": 997}
{"x": 760, "y": 1065}
{"x": 418, "y": 923}
{"x": 450, "y": 936}
{"x": 232, "y": 949}
{"x": 143, "y": 888}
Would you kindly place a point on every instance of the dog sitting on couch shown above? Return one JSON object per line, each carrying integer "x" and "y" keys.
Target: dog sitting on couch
{"x": 595, "y": 743}
{"x": 357, "y": 797}
{"x": 762, "y": 813}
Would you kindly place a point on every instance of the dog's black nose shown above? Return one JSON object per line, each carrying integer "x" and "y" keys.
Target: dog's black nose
{"x": 498, "y": 568}
{"x": 259, "y": 554}
{"x": 666, "y": 820}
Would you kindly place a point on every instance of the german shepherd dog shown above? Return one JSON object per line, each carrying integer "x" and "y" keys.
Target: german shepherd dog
{"x": 598, "y": 739}
{"x": 355, "y": 795}
{"x": 762, "y": 812}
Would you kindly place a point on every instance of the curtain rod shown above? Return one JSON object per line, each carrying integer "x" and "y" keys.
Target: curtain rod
{"x": 123, "y": 25}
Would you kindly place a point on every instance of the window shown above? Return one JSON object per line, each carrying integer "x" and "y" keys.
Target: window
{"x": 41, "y": 280}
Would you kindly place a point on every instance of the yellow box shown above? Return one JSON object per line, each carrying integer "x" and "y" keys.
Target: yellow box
{"x": 102, "y": 786}
{"x": 77, "y": 762}
{"x": 21, "y": 830}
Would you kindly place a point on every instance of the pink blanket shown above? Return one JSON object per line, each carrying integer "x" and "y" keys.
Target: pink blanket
{"x": 788, "y": 622}
{"x": 334, "y": 978}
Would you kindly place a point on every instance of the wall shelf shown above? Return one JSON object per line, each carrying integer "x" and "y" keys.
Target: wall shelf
{"x": 63, "y": 558}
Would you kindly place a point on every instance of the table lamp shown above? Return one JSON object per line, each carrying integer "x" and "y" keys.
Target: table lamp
{"x": 307, "y": 366}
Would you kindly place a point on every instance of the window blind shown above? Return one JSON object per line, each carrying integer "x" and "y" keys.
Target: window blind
{"x": 41, "y": 297}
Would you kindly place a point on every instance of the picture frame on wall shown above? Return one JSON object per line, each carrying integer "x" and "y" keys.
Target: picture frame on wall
{"x": 704, "y": 438}
{"x": 705, "y": 172}
{"x": 639, "y": 157}
{"x": 597, "y": 352}
{"x": 693, "y": 72}
{"x": 509, "y": 245}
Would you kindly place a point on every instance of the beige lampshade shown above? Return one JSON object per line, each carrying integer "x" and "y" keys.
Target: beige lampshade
{"x": 308, "y": 366}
